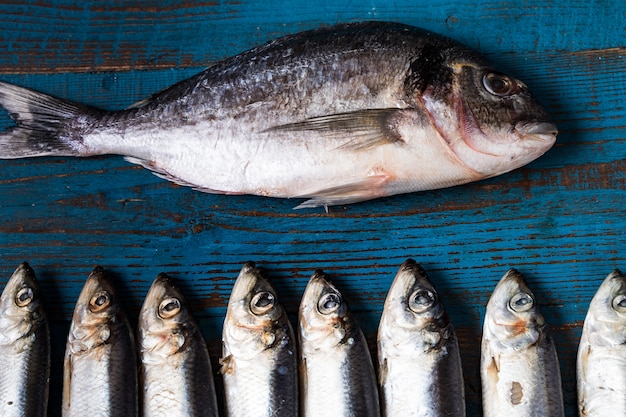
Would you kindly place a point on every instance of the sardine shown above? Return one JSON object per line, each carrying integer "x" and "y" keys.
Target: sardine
{"x": 176, "y": 374}
{"x": 601, "y": 363}
{"x": 24, "y": 347}
{"x": 519, "y": 367}
{"x": 419, "y": 365}
{"x": 336, "y": 370}
{"x": 259, "y": 361}
{"x": 336, "y": 115}
{"x": 100, "y": 366}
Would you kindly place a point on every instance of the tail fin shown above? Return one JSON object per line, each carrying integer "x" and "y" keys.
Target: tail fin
{"x": 42, "y": 124}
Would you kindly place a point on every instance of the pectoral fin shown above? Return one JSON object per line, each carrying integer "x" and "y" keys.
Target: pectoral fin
{"x": 67, "y": 381}
{"x": 228, "y": 365}
{"x": 362, "y": 129}
{"x": 354, "y": 192}
{"x": 382, "y": 373}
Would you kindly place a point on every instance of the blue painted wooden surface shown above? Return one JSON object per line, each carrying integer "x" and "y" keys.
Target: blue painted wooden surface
{"x": 561, "y": 220}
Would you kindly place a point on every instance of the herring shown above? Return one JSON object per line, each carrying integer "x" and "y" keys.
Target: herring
{"x": 259, "y": 362}
{"x": 519, "y": 368}
{"x": 100, "y": 366}
{"x": 176, "y": 374}
{"x": 601, "y": 360}
{"x": 336, "y": 115}
{"x": 337, "y": 377}
{"x": 419, "y": 365}
{"x": 24, "y": 347}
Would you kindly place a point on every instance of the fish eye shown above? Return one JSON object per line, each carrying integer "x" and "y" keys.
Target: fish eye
{"x": 619, "y": 303}
{"x": 24, "y": 296}
{"x": 421, "y": 300}
{"x": 500, "y": 85}
{"x": 99, "y": 301}
{"x": 521, "y": 302}
{"x": 262, "y": 302}
{"x": 329, "y": 303}
{"x": 169, "y": 308}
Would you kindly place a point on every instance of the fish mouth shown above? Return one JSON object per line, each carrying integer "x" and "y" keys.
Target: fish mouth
{"x": 542, "y": 131}
{"x": 245, "y": 282}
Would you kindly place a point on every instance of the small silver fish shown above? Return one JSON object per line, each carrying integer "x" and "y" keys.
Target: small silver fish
{"x": 419, "y": 363}
{"x": 338, "y": 115}
{"x": 24, "y": 347}
{"x": 336, "y": 371}
{"x": 519, "y": 367}
{"x": 100, "y": 366}
{"x": 601, "y": 362}
{"x": 259, "y": 361}
{"x": 176, "y": 374}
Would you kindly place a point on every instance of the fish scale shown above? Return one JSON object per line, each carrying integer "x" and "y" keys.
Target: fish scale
{"x": 92, "y": 391}
{"x": 256, "y": 394}
{"x": 176, "y": 390}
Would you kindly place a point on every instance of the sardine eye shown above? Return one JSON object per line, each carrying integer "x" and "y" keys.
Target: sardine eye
{"x": 329, "y": 303}
{"x": 521, "y": 302}
{"x": 99, "y": 301}
{"x": 169, "y": 308}
{"x": 500, "y": 85}
{"x": 262, "y": 302}
{"x": 421, "y": 300}
{"x": 619, "y": 303}
{"x": 24, "y": 296}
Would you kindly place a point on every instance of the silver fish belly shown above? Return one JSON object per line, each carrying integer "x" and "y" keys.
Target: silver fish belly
{"x": 519, "y": 367}
{"x": 419, "y": 365}
{"x": 24, "y": 347}
{"x": 100, "y": 367}
{"x": 601, "y": 361}
{"x": 177, "y": 379}
{"x": 337, "y": 376}
{"x": 337, "y": 115}
{"x": 259, "y": 363}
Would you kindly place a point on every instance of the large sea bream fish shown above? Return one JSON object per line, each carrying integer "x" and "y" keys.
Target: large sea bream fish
{"x": 336, "y": 115}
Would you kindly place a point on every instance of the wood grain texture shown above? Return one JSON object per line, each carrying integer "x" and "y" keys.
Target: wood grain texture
{"x": 560, "y": 220}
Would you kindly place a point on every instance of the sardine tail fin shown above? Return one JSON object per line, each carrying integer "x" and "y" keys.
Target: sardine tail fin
{"x": 354, "y": 192}
{"x": 41, "y": 124}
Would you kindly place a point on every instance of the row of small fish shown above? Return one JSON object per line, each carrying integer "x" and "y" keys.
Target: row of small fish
{"x": 100, "y": 369}
{"x": 100, "y": 364}
{"x": 328, "y": 371}
{"x": 519, "y": 366}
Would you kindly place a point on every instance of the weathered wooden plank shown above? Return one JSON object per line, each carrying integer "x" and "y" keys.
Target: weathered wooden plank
{"x": 559, "y": 220}
{"x": 69, "y": 36}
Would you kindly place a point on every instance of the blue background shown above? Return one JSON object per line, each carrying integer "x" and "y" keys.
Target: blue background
{"x": 560, "y": 220}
